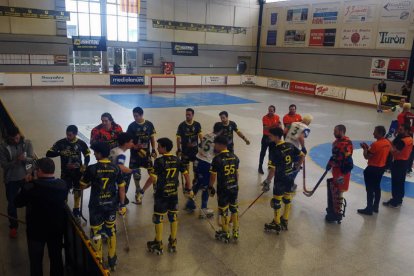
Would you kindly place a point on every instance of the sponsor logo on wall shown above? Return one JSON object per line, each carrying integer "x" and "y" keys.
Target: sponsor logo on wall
{"x": 355, "y": 12}
{"x": 52, "y": 80}
{"x": 89, "y": 43}
{"x": 389, "y": 68}
{"x": 392, "y": 38}
{"x": 395, "y": 10}
{"x": 322, "y": 37}
{"x": 379, "y": 68}
{"x": 214, "y": 80}
{"x": 184, "y": 49}
{"x": 297, "y": 14}
{"x": 295, "y": 37}
{"x": 34, "y": 13}
{"x": 302, "y": 87}
{"x": 356, "y": 38}
{"x": 187, "y": 26}
{"x": 271, "y": 38}
{"x": 330, "y": 91}
{"x": 127, "y": 80}
{"x": 278, "y": 84}
{"x": 325, "y": 13}
{"x": 248, "y": 79}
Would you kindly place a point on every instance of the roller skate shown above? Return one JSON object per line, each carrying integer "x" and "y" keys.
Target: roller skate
{"x": 155, "y": 247}
{"x": 223, "y": 236}
{"x": 112, "y": 262}
{"x": 235, "y": 235}
{"x": 77, "y": 215}
{"x": 272, "y": 226}
{"x": 172, "y": 245}
{"x": 332, "y": 218}
{"x": 284, "y": 224}
{"x": 206, "y": 213}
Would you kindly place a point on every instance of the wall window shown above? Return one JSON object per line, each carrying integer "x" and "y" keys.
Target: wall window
{"x": 122, "y": 20}
{"x": 85, "y": 17}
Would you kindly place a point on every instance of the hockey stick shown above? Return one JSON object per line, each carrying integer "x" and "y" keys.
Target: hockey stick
{"x": 251, "y": 204}
{"x": 81, "y": 208}
{"x": 211, "y": 225}
{"x": 310, "y": 193}
{"x": 126, "y": 234}
{"x": 304, "y": 174}
{"x": 375, "y": 95}
{"x": 12, "y": 218}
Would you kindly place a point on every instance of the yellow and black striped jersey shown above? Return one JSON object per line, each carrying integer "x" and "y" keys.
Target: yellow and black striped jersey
{"x": 225, "y": 165}
{"x": 189, "y": 134}
{"x": 282, "y": 158}
{"x": 167, "y": 169}
{"x": 141, "y": 134}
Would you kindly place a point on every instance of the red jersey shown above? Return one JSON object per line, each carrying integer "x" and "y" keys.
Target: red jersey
{"x": 270, "y": 121}
{"x": 341, "y": 162}
{"x": 288, "y": 119}
{"x": 100, "y": 134}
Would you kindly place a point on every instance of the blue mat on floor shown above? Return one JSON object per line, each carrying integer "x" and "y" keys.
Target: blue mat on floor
{"x": 175, "y": 100}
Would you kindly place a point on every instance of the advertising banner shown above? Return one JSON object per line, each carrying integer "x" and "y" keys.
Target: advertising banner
{"x": 322, "y": 37}
{"x": 391, "y": 100}
{"x": 395, "y": 11}
{"x": 397, "y": 69}
{"x": 356, "y": 38}
{"x": 326, "y": 13}
{"x": 278, "y": 84}
{"x": 392, "y": 38}
{"x": 302, "y": 87}
{"x": 184, "y": 49}
{"x": 60, "y": 59}
{"x": 356, "y": 12}
{"x": 271, "y": 38}
{"x": 127, "y": 80}
{"x": 297, "y": 14}
{"x": 330, "y": 91}
{"x": 248, "y": 79}
{"x": 34, "y": 13}
{"x": 295, "y": 37}
{"x": 52, "y": 80}
{"x": 214, "y": 80}
{"x": 89, "y": 43}
{"x": 379, "y": 67}
{"x": 147, "y": 59}
{"x": 187, "y": 26}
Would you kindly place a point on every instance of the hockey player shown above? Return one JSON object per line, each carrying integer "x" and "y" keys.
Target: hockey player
{"x": 227, "y": 127}
{"x": 341, "y": 164}
{"x": 143, "y": 133}
{"x": 118, "y": 157}
{"x": 202, "y": 166}
{"x": 188, "y": 135}
{"x": 107, "y": 196}
{"x": 225, "y": 169}
{"x": 282, "y": 168}
{"x": 70, "y": 150}
{"x": 106, "y": 132}
{"x": 394, "y": 123}
{"x": 291, "y": 117}
{"x": 298, "y": 131}
{"x": 164, "y": 177}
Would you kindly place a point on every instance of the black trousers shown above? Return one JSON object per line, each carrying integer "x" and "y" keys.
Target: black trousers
{"x": 36, "y": 250}
{"x": 372, "y": 178}
{"x": 12, "y": 189}
{"x": 266, "y": 143}
{"x": 410, "y": 162}
{"x": 398, "y": 174}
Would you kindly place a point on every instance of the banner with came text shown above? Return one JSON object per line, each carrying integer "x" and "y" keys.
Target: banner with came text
{"x": 330, "y": 91}
{"x": 302, "y": 87}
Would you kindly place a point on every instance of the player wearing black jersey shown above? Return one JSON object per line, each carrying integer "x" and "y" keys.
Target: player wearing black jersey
{"x": 188, "y": 136}
{"x": 70, "y": 150}
{"x": 228, "y": 127}
{"x": 107, "y": 195}
{"x": 224, "y": 169}
{"x": 143, "y": 133}
{"x": 282, "y": 168}
{"x": 164, "y": 177}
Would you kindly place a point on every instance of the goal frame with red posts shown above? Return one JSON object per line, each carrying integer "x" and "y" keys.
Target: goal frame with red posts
{"x": 172, "y": 87}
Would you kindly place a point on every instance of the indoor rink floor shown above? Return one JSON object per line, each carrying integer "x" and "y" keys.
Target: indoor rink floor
{"x": 378, "y": 245}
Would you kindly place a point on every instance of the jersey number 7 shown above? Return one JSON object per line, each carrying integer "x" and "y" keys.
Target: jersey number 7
{"x": 105, "y": 181}
{"x": 171, "y": 172}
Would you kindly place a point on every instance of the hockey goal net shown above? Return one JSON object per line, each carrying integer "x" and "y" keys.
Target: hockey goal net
{"x": 162, "y": 84}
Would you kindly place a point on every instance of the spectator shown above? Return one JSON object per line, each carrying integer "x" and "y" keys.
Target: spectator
{"x": 406, "y": 90}
{"x": 130, "y": 69}
{"x": 16, "y": 157}
{"x": 382, "y": 86}
{"x": 117, "y": 68}
{"x": 44, "y": 199}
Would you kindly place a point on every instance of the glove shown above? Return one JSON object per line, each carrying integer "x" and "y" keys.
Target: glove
{"x": 122, "y": 210}
{"x": 189, "y": 193}
{"x": 142, "y": 153}
{"x": 82, "y": 168}
{"x": 379, "y": 110}
{"x": 266, "y": 186}
{"x": 211, "y": 191}
{"x": 178, "y": 153}
{"x": 153, "y": 153}
{"x": 305, "y": 151}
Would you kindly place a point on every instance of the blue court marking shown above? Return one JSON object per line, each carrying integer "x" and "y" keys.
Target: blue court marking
{"x": 320, "y": 154}
{"x": 177, "y": 100}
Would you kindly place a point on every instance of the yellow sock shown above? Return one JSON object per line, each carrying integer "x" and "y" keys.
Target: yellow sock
{"x": 174, "y": 227}
{"x": 158, "y": 231}
{"x": 97, "y": 240}
{"x": 287, "y": 198}
{"x": 235, "y": 219}
{"x": 277, "y": 211}
{"x": 225, "y": 223}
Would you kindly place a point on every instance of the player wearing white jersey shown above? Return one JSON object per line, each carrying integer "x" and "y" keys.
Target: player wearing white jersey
{"x": 298, "y": 132}
{"x": 396, "y": 110}
{"x": 202, "y": 166}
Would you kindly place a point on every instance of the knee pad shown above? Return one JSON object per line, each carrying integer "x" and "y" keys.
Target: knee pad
{"x": 287, "y": 198}
{"x": 157, "y": 218}
{"x": 137, "y": 175}
{"x": 275, "y": 203}
{"x": 172, "y": 216}
{"x": 96, "y": 232}
{"x": 223, "y": 211}
{"x": 110, "y": 228}
{"x": 234, "y": 208}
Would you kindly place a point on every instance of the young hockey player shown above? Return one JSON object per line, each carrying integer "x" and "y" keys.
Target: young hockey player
{"x": 202, "y": 166}
{"x": 282, "y": 168}
{"x": 341, "y": 164}
{"x": 164, "y": 177}
{"x": 118, "y": 157}
{"x": 107, "y": 195}
{"x": 188, "y": 134}
{"x": 228, "y": 127}
{"x": 143, "y": 133}
{"x": 224, "y": 169}
{"x": 70, "y": 150}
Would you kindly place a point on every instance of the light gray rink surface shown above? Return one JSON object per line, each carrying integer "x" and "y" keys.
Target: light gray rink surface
{"x": 377, "y": 245}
